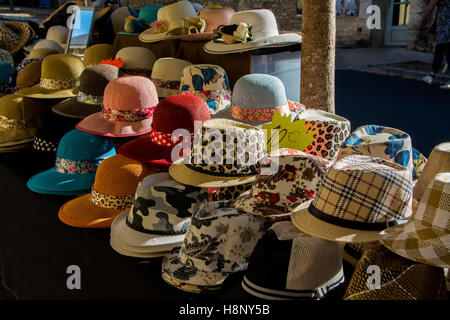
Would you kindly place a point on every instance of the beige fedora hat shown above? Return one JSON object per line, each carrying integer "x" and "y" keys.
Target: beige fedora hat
{"x": 48, "y": 44}
{"x": 58, "y": 34}
{"x": 264, "y": 31}
{"x": 170, "y": 17}
{"x": 138, "y": 61}
{"x": 166, "y": 75}
{"x": 118, "y": 18}
{"x": 359, "y": 197}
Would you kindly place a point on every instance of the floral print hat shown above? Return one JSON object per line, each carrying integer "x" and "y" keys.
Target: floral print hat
{"x": 218, "y": 242}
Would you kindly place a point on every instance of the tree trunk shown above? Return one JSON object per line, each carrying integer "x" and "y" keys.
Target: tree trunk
{"x": 318, "y": 54}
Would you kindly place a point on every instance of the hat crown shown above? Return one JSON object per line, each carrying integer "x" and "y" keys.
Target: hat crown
{"x": 98, "y": 52}
{"x": 173, "y": 14}
{"x": 29, "y": 74}
{"x": 258, "y": 91}
{"x": 119, "y": 176}
{"x": 148, "y": 14}
{"x": 58, "y": 34}
{"x": 130, "y": 93}
{"x": 220, "y": 234}
{"x": 16, "y": 107}
{"x": 78, "y": 145}
{"x": 61, "y": 67}
{"x": 434, "y": 206}
{"x": 263, "y": 22}
{"x": 170, "y": 69}
{"x": 137, "y": 58}
{"x": 49, "y": 44}
{"x": 179, "y": 111}
{"x": 94, "y": 79}
{"x": 215, "y": 17}
{"x": 365, "y": 190}
{"x": 163, "y": 205}
{"x": 204, "y": 77}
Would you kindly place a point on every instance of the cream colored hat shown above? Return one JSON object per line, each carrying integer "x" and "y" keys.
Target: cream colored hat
{"x": 118, "y": 18}
{"x": 58, "y": 34}
{"x": 166, "y": 75}
{"x": 264, "y": 31}
{"x": 170, "y": 17}
{"x": 49, "y": 44}
{"x": 138, "y": 61}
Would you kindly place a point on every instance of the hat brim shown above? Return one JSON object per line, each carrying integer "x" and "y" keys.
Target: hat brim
{"x": 15, "y": 148}
{"x": 146, "y": 36}
{"x": 11, "y": 137}
{"x": 143, "y": 149}
{"x": 189, "y": 287}
{"x": 82, "y": 213}
{"x": 72, "y": 108}
{"x": 282, "y": 40}
{"x": 121, "y": 232}
{"x": 181, "y": 173}
{"x": 313, "y": 226}
{"x": 399, "y": 238}
{"x": 172, "y": 267}
{"x": 205, "y": 36}
{"x": 51, "y": 181}
{"x": 37, "y": 92}
{"x": 96, "y": 124}
{"x": 119, "y": 248}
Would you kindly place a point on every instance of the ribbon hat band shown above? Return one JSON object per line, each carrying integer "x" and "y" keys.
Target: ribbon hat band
{"x": 166, "y": 139}
{"x": 75, "y": 166}
{"x": 111, "y": 202}
{"x": 166, "y": 84}
{"x": 127, "y": 115}
{"x": 6, "y": 123}
{"x": 59, "y": 84}
{"x": 262, "y": 114}
{"x": 89, "y": 99}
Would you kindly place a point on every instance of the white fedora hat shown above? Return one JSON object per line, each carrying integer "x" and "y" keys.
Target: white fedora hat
{"x": 170, "y": 17}
{"x": 264, "y": 31}
{"x": 166, "y": 75}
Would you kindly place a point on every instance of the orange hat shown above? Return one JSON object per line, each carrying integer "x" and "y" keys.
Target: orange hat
{"x": 113, "y": 191}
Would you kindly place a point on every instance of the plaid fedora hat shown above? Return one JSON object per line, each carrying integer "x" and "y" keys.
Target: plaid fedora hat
{"x": 288, "y": 264}
{"x": 218, "y": 242}
{"x": 98, "y": 52}
{"x": 332, "y": 131}
{"x": 359, "y": 197}
{"x": 172, "y": 113}
{"x": 127, "y": 109}
{"x": 425, "y": 237}
{"x": 60, "y": 77}
{"x": 108, "y": 198}
{"x": 224, "y": 153}
{"x": 93, "y": 82}
{"x": 255, "y": 99}
{"x": 159, "y": 217}
{"x": 296, "y": 181}
{"x": 209, "y": 82}
{"x": 139, "y": 61}
{"x": 78, "y": 156}
{"x": 15, "y": 35}
{"x": 401, "y": 279}
{"x": 166, "y": 75}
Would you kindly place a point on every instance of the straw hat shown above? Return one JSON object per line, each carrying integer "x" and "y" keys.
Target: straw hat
{"x": 138, "y": 61}
{"x": 438, "y": 161}
{"x": 224, "y": 153}
{"x": 127, "y": 109}
{"x": 29, "y": 74}
{"x": 359, "y": 197}
{"x": 172, "y": 113}
{"x": 108, "y": 198}
{"x": 49, "y": 45}
{"x": 213, "y": 17}
{"x": 332, "y": 131}
{"x": 228, "y": 193}
{"x": 40, "y": 53}
{"x": 425, "y": 238}
{"x": 166, "y": 75}
{"x": 58, "y": 34}
{"x": 218, "y": 242}
{"x": 209, "y": 82}
{"x": 15, "y": 35}
{"x": 255, "y": 99}
{"x": 264, "y": 32}
{"x": 59, "y": 78}
{"x": 93, "y": 82}
{"x": 296, "y": 180}
{"x": 160, "y": 215}
{"x": 401, "y": 279}
{"x": 118, "y": 18}
{"x": 18, "y": 119}
{"x": 170, "y": 17}
{"x": 98, "y": 52}
{"x": 288, "y": 264}
{"x": 78, "y": 156}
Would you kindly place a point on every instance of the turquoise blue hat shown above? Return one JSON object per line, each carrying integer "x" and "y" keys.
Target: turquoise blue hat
{"x": 149, "y": 14}
{"x": 78, "y": 156}
{"x": 5, "y": 72}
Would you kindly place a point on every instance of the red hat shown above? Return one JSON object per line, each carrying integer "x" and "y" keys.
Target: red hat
{"x": 174, "y": 112}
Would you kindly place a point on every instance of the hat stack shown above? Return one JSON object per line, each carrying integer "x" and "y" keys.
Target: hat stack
{"x": 138, "y": 61}
{"x": 158, "y": 219}
{"x": 209, "y": 82}
{"x": 166, "y": 75}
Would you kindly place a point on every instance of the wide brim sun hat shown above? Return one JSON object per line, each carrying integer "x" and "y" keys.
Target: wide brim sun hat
{"x": 15, "y": 35}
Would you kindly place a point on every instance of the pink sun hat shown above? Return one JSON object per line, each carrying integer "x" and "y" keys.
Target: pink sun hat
{"x": 127, "y": 109}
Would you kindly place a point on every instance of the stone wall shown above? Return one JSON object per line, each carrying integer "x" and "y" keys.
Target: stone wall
{"x": 419, "y": 40}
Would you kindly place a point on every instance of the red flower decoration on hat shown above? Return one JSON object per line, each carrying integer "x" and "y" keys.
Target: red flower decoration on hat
{"x": 118, "y": 62}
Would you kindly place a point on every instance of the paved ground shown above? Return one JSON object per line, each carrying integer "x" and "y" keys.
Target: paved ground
{"x": 24, "y": 13}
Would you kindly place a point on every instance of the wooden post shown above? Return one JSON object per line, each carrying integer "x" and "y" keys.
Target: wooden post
{"x": 318, "y": 54}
